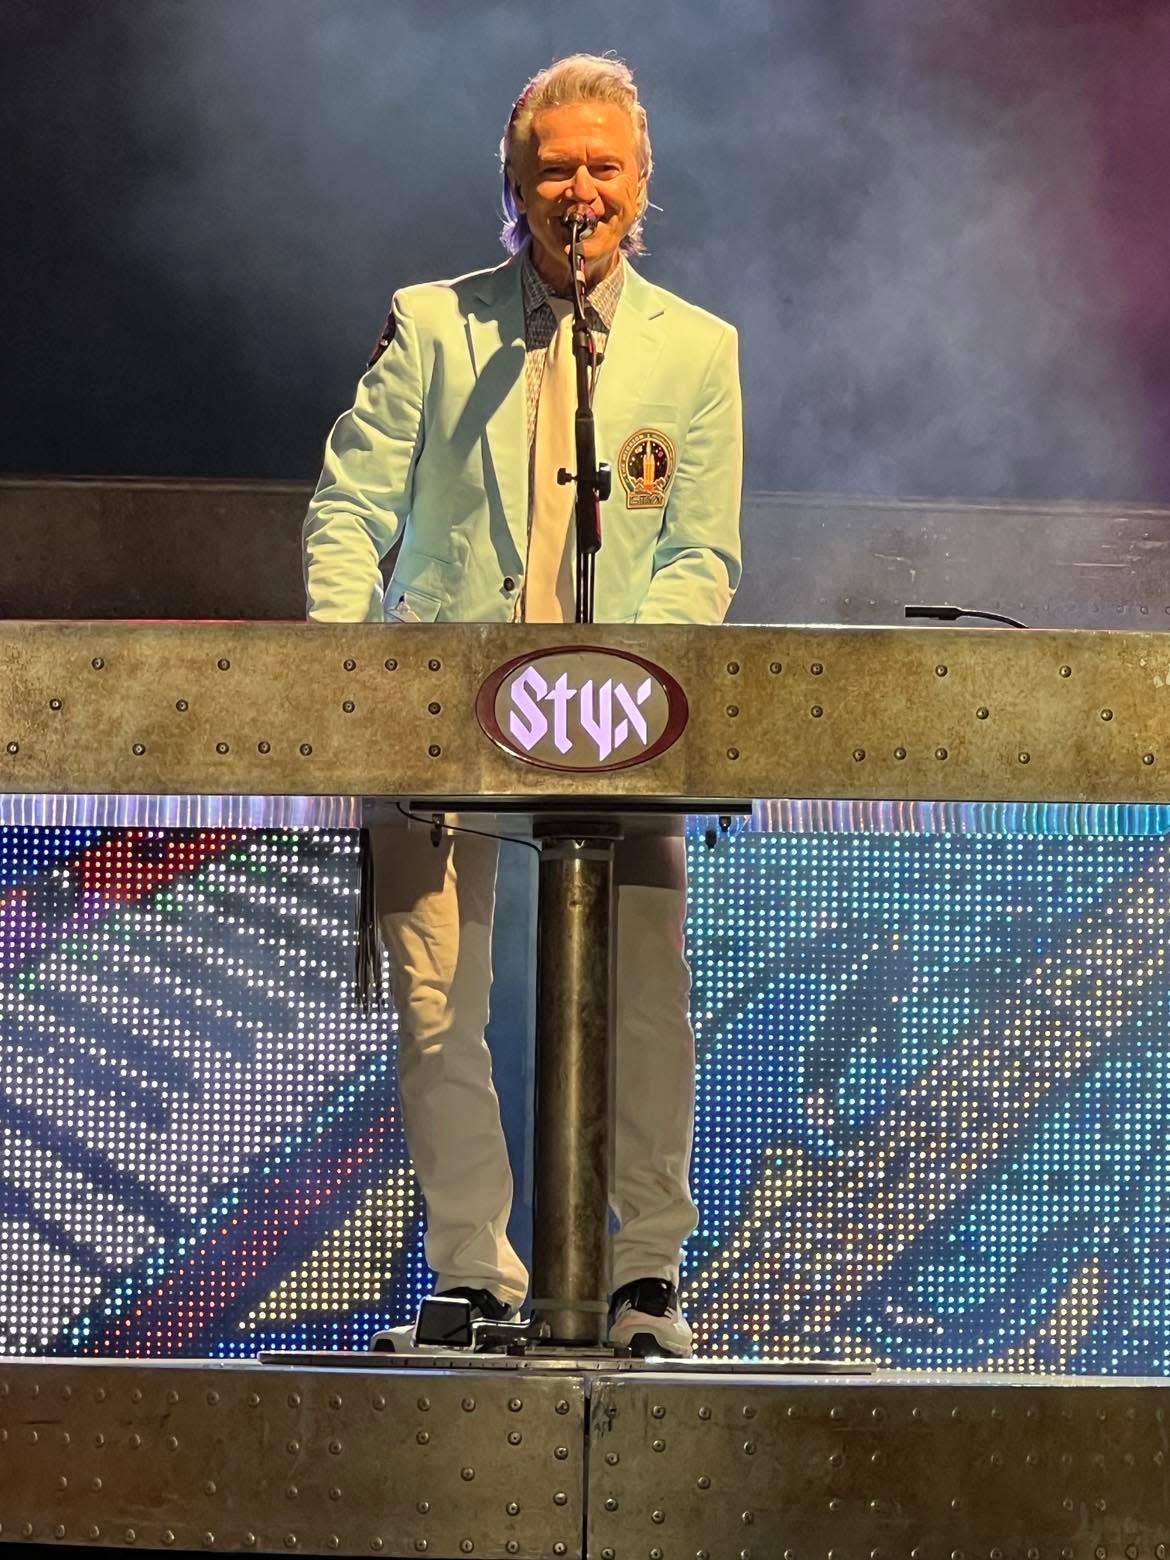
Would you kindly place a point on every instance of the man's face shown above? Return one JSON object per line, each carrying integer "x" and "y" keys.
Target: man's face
{"x": 580, "y": 157}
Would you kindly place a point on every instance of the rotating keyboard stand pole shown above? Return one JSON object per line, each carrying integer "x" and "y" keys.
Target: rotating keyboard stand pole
{"x": 574, "y": 1061}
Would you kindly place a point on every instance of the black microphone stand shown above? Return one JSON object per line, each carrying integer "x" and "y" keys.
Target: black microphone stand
{"x": 593, "y": 481}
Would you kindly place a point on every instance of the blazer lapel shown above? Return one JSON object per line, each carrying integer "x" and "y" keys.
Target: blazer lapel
{"x": 495, "y": 328}
{"x": 625, "y": 379}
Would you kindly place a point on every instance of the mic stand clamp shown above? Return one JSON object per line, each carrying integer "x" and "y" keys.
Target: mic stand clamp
{"x": 594, "y": 481}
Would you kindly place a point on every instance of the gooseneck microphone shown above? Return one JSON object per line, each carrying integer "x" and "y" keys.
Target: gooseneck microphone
{"x": 579, "y": 224}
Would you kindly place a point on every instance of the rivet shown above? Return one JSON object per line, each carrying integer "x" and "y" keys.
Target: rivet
{"x": 1025, "y": 758}
{"x": 733, "y": 668}
{"x": 703, "y": 1482}
{"x": 292, "y": 1492}
{"x": 95, "y": 1485}
{"x": 333, "y": 1541}
{"x": 747, "y": 1518}
{"x": 1066, "y": 671}
{"x": 940, "y": 753}
{"x": 750, "y": 1448}
{"x": 420, "y": 1544}
{"x": 213, "y": 1398}
{"x": 97, "y": 663}
{"x": 899, "y": 752}
{"x": 224, "y": 664}
{"x": 434, "y": 751}
{"x": 422, "y": 1438}
{"x": 560, "y": 1498}
{"x": 561, "y": 1453}
{"x": 733, "y": 754}
{"x": 704, "y": 1412}
{"x": 837, "y": 1413}
{"x": 513, "y": 1508}
{"x": 816, "y": 712}
{"x": 468, "y": 1405}
{"x": 253, "y": 1400}
{"x": 348, "y": 706}
{"x": 858, "y": 755}
{"x": 306, "y": 749}
{"x": 560, "y": 1548}
{"x": 59, "y": 1530}
{"x": 94, "y": 1530}
{"x": 172, "y": 1396}
{"x": 349, "y": 665}
{"x": 391, "y": 665}
{"x": 512, "y": 1547}
{"x": 423, "y": 1507}
{"x": 467, "y": 1474}
{"x": 181, "y": 704}
{"x": 335, "y": 1448}
{"x": 467, "y": 1546}
{"x": 209, "y": 1538}
{"x": 658, "y": 1516}
{"x": 607, "y": 1554}
{"x": 658, "y": 1412}
{"x": 138, "y": 749}
{"x": 168, "y": 1537}
{"x": 1147, "y": 758}
{"x": 222, "y": 747}
{"x": 134, "y": 1442}
{"x": 775, "y": 667}
{"x": 250, "y": 1540}
{"x": 816, "y": 668}
{"x": 379, "y": 1403}
{"x": 514, "y": 1438}
{"x": 612, "y": 1459}
{"x": 27, "y": 1530}
{"x": 54, "y": 704}
{"x": 659, "y": 1446}
{"x": 982, "y": 712}
{"x": 435, "y": 666}
{"x": 14, "y": 747}
{"x": 209, "y": 1487}
{"x": 515, "y": 1405}
{"x": 1106, "y": 714}
{"x": 611, "y": 1503}
{"x": 335, "y": 1401}
{"x": 562, "y": 1406}
{"x": 733, "y": 710}
{"x": 940, "y": 671}
{"x": 377, "y": 1544}
{"x": 656, "y": 1554}
{"x": 292, "y": 1446}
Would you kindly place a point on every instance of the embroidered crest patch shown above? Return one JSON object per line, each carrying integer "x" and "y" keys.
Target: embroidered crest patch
{"x": 645, "y": 466}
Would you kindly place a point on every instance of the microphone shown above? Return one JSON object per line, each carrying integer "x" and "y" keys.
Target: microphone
{"x": 580, "y": 224}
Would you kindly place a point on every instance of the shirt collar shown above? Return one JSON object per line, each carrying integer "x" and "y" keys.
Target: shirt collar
{"x": 602, "y": 299}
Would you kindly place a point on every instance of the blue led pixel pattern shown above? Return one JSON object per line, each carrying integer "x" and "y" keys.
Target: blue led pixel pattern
{"x": 933, "y": 1092}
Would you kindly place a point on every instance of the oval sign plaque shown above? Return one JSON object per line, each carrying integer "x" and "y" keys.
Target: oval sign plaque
{"x": 582, "y": 709}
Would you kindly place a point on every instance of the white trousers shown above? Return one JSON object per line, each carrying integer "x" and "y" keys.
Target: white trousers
{"x": 435, "y": 906}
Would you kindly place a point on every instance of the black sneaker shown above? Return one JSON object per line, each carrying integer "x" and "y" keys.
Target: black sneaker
{"x": 645, "y": 1317}
{"x": 484, "y": 1307}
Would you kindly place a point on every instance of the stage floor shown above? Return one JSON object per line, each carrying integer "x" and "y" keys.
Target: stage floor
{"x": 617, "y": 1465}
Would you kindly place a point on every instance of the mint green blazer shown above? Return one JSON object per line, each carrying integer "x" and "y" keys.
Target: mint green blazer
{"x": 434, "y": 451}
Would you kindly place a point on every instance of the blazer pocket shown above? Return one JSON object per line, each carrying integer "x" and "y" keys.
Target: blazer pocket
{"x": 408, "y": 604}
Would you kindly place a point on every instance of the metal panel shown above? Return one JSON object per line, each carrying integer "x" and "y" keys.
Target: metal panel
{"x": 241, "y": 1457}
{"x": 389, "y": 711}
{"x": 893, "y": 1466}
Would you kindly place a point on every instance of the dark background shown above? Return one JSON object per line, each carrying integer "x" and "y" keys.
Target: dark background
{"x": 941, "y": 225}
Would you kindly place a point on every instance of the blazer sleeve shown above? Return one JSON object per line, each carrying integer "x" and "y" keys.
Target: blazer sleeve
{"x": 697, "y": 561}
{"x": 363, "y": 497}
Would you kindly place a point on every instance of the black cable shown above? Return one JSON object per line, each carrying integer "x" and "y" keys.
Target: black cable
{"x": 436, "y": 827}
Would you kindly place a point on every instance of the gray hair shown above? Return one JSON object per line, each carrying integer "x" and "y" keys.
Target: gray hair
{"x": 578, "y": 78}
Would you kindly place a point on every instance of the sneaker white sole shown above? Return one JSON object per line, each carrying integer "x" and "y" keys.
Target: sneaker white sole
{"x": 671, "y": 1334}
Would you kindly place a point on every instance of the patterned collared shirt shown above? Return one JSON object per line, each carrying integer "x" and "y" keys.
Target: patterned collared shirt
{"x": 540, "y": 324}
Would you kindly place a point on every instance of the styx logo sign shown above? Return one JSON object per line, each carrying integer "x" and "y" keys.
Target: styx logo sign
{"x": 588, "y": 709}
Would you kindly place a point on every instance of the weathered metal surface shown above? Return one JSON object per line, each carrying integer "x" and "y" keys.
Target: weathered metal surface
{"x": 374, "y": 710}
{"x": 251, "y": 1458}
{"x": 942, "y": 1470}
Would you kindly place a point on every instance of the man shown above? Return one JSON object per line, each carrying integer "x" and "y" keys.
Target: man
{"x": 452, "y": 445}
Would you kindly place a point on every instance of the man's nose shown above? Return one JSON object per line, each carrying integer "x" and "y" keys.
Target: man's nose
{"x": 584, "y": 188}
